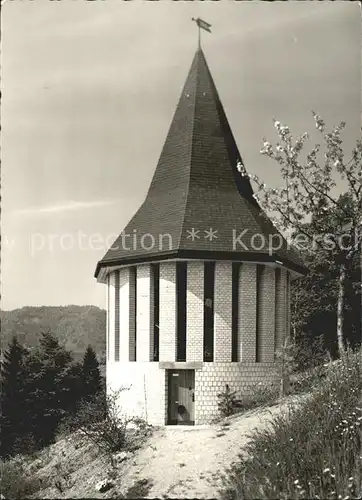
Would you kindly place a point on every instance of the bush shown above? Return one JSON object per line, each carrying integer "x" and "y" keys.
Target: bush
{"x": 99, "y": 419}
{"x": 301, "y": 362}
{"x": 312, "y": 450}
{"x": 15, "y": 483}
{"x": 25, "y": 445}
{"x": 227, "y": 401}
{"x": 309, "y": 354}
{"x": 308, "y": 380}
{"x": 262, "y": 394}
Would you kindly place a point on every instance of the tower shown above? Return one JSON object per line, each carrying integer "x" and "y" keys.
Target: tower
{"x": 197, "y": 298}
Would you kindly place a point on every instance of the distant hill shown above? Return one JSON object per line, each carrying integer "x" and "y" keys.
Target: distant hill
{"x": 74, "y": 326}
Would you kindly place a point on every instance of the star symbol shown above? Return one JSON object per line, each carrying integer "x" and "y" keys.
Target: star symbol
{"x": 210, "y": 234}
{"x": 193, "y": 234}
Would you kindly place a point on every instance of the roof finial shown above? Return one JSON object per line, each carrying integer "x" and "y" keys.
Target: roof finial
{"x": 201, "y": 24}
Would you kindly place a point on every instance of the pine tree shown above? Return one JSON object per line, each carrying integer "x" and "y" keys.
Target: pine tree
{"x": 54, "y": 387}
{"x": 13, "y": 396}
{"x": 92, "y": 380}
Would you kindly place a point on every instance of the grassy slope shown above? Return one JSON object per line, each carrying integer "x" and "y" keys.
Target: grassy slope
{"x": 313, "y": 451}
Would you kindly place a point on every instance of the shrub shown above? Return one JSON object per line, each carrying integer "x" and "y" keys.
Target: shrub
{"x": 262, "y": 394}
{"x": 227, "y": 401}
{"x": 100, "y": 421}
{"x": 312, "y": 450}
{"x": 308, "y": 380}
{"x": 309, "y": 354}
{"x": 25, "y": 445}
{"x": 15, "y": 483}
{"x": 285, "y": 363}
{"x": 302, "y": 363}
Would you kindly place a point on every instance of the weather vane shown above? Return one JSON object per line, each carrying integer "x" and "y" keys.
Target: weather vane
{"x": 202, "y": 24}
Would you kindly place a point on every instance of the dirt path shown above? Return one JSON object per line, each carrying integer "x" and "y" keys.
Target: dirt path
{"x": 177, "y": 462}
{"x": 189, "y": 462}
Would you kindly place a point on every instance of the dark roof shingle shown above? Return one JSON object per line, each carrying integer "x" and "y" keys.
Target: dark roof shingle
{"x": 196, "y": 184}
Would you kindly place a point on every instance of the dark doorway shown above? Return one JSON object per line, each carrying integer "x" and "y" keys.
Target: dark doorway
{"x": 181, "y": 397}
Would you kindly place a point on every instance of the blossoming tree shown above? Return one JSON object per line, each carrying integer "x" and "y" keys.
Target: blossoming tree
{"x": 298, "y": 207}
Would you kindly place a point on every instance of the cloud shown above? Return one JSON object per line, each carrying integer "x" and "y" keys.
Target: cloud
{"x": 66, "y": 206}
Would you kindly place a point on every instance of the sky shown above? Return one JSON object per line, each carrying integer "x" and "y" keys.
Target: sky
{"x": 89, "y": 89}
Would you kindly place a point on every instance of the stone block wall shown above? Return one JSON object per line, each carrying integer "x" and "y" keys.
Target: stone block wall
{"x": 263, "y": 313}
{"x": 266, "y": 316}
{"x": 211, "y": 379}
{"x": 144, "y": 318}
{"x": 281, "y": 300}
{"x": 247, "y": 313}
{"x": 167, "y": 311}
{"x": 222, "y": 311}
{"x": 195, "y": 312}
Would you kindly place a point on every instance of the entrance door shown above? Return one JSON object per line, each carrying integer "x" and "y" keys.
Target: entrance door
{"x": 181, "y": 397}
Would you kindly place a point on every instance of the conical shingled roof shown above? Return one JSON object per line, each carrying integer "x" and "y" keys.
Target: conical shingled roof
{"x": 196, "y": 186}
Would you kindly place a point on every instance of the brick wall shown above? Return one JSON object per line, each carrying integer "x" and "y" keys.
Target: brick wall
{"x": 241, "y": 377}
{"x": 266, "y": 317}
{"x": 288, "y": 319}
{"x": 272, "y": 324}
{"x": 222, "y": 311}
{"x": 280, "y": 307}
{"x": 144, "y": 310}
{"x": 247, "y": 313}
{"x": 195, "y": 311}
{"x": 167, "y": 311}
